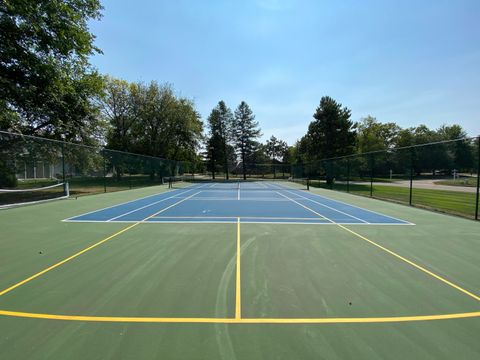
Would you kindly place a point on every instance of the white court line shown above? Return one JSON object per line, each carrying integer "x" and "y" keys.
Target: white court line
{"x": 358, "y": 207}
{"x": 211, "y": 198}
{"x": 265, "y": 186}
{"x": 244, "y": 221}
{"x": 146, "y": 206}
{"x": 236, "y": 199}
{"x": 306, "y": 207}
{"x": 232, "y": 217}
{"x": 169, "y": 207}
{"x": 329, "y": 207}
{"x": 124, "y": 203}
{"x": 233, "y": 221}
{"x": 127, "y": 202}
{"x": 345, "y": 203}
{"x": 278, "y": 187}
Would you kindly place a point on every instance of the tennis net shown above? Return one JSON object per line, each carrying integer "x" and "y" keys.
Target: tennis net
{"x": 19, "y": 197}
{"x": 235, "y": 184}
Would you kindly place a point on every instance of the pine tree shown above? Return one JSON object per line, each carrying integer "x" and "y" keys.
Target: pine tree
{"x": 332, "y": 133}
{"x": 220, "y": 122}
{"x": 245, "y": 131}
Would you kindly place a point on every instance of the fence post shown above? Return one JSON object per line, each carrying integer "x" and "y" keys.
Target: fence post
{"x": 478, "y": 179}
{"x": 63, "y": 161}
{"x": 371, "y": 175}
{"x": 213, "y": 165}
{"x": 411, "y": 177}
{"x": 104, "y": 172}
{"x": 348, "y": 175}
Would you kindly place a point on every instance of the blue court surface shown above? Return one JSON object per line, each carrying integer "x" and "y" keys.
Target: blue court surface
{"x": 260, "y": 202}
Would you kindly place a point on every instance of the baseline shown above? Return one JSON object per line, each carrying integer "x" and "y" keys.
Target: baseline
{"x": 338, "y": 320}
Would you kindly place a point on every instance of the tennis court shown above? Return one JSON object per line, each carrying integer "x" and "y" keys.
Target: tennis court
{"x": 227, "y": 270}
{"x": 251, "y": 202}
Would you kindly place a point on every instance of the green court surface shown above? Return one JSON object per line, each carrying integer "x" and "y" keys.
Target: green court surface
{"x": 237, "y": 290}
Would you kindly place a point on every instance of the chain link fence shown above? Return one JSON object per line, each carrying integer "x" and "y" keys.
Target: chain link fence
{"x": 32, "y": 162}
{"x": 441, "y": 176}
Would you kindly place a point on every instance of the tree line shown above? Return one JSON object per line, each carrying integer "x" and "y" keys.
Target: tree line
{"x": 50, "y": 89}
{"x": 333, "y": 133}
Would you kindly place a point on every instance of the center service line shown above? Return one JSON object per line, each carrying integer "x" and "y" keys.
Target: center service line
{"x": 238, "y": 297}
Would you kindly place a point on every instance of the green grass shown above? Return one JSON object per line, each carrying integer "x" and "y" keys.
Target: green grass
{"x": 452, "y": 202}
{"x": 470, "y": 181}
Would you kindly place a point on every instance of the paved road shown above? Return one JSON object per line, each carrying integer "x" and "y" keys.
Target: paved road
{"x": 425, "y": 184}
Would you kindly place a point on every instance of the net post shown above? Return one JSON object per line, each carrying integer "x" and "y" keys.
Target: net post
{"x": 478, "y": 178}
{"x": 308, "y": 184}
{"x": 67, "y": 189}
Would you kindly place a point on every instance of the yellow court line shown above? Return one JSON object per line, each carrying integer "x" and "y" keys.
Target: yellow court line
{"x": 338, "y": 320}
{"x": 238, "y": 296}
{"x": 419, "y": 267}
{"x": 3, "y": 292}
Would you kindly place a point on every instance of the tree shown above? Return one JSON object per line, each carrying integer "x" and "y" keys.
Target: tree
{"x": 245, "y": 132}
{"x": 461, "y": 151}
{"x": 284, "y": 151}
{"x": 48, "y": 86}
{"x": 167, "y": 126}
{"x": 429, "y": 157}
{"x": 120, "y": 112}
{"x": 331, "y": 134}
{"x": 151, "y": 120}
{"x": 220, "y": 122}
{"x": 276, "y": 149}
{"x": 373, "y": 135}
{"x": 289, "y": 154}
{"x": 213, "y": 143}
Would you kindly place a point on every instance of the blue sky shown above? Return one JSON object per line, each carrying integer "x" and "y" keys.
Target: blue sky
{"x": 409, "y": 62}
